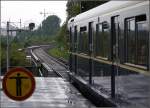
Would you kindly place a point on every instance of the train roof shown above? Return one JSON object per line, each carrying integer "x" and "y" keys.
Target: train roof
{"x": 104, "y": 8}
{"x": 69, "y": 22}
{"x": 71, "y": 19}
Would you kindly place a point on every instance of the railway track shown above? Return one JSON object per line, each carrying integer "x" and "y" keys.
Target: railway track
{"x": 55, "y": 64}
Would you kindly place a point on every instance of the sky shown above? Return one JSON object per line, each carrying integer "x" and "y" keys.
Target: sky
{"x": 29, "y": 11}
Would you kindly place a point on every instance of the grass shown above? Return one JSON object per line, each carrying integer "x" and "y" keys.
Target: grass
{"x": 57, "y": 52}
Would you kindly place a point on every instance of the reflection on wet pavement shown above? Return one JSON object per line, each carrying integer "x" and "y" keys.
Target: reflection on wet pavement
{"x": 50, "y": 92}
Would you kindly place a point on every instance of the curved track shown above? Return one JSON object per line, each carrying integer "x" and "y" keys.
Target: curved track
{"x": 53, "y": 63}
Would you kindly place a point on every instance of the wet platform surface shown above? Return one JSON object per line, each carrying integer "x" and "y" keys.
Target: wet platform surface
{"x": 131, "y": 90}
{"x": 50, "y": 92}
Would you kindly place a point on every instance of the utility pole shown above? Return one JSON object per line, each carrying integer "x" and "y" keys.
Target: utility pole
{"x": 7, "y": 51}
{"x": 8, "y": 43}
{"x": 20, "y": 24}
{"x": 44, "y": 14}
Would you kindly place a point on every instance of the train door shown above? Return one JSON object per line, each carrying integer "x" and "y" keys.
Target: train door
{"x": 90, "y": 38}
{"x": 114, "y": 51}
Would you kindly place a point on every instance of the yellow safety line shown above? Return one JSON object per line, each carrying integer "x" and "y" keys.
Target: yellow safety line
{"x": 125, "y": 66}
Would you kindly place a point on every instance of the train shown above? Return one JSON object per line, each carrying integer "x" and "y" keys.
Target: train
{"x": 110, "y": 39}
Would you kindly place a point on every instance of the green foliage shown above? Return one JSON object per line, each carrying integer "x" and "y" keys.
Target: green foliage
{"x": 36, "y": 40}
{"x": 62, "y": 47}
{"x": 2, "y": 57}
{"x": 86, "y": 5}
{"x": 51, "y": 25}
{"x": 62, "y": 36}
{"x": 43, "y": 35}
{"x": 3, "y": 51}
{"x": 72, "y": 9}
{"x": 17, "y": 58}
{"x": 75, "y": 7}
{"x": 59, "y": 53}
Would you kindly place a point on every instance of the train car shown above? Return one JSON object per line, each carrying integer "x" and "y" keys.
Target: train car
{"x": 111, "y": 39}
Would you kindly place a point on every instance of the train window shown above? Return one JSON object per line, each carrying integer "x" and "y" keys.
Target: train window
{"x": 72, "y": 20}
{"x": 142, "y": 44}
{"x": 137, "y": 40}
{"x": 131, "y": 43}
{"x": 141, "y": 18}
{"x": 82, "y": 29}
{"x": 102, "y": 40}
{"x": 105, "y": 25}
{"x": 83, "y": 41}
{"x": 98, "y": 33}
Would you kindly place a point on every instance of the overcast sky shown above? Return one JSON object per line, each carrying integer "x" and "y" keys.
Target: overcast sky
{"x": 29, "y": 11}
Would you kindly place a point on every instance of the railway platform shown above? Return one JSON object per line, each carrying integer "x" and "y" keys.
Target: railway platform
{"x": 50, "y": 92}
{"x": 131, "y": 90}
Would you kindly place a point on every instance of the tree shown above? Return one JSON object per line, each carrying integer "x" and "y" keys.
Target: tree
{"x": 62, "y": 36}
{"x": 73, "y": 9}
{"x": 51, "y": 25}
{"x": 86, "y": 5}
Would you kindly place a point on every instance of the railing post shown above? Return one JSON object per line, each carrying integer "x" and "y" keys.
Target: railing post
{"x": 112, "y": 81}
